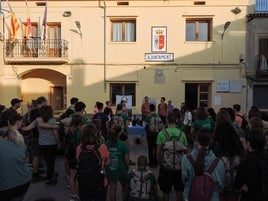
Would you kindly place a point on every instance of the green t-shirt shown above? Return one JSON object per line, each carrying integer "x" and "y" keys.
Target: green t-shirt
{"x": 202, "y": 123}
{"x": 117, "y": 170}
{"x": 173, "y": 132}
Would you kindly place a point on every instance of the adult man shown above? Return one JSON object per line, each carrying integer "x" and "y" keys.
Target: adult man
{"x": 15, "y": 105}
{"x": 163, "y": 110}
{"x": 145, "y": 108}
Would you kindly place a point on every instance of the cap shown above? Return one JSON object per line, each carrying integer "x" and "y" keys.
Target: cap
{"x": 15, "y": 101}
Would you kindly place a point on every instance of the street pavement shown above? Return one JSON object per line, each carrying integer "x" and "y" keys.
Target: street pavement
{"x": 60, "y": 192}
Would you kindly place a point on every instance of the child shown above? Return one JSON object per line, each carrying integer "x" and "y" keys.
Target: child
{"x": 119, "y": 162}
{"x": 142, "y": 183}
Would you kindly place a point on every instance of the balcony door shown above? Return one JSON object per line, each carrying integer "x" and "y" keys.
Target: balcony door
{"x": 54, "y": 39}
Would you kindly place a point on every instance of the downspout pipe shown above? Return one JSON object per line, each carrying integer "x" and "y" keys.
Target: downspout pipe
{"x": 104, "y": 48}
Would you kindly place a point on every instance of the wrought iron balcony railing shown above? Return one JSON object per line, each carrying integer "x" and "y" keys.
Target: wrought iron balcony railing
{"x": 261, "y": 63}
{"x": 36, "y": 50}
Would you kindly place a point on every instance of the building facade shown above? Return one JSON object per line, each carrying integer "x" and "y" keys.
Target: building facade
{"x": 257, "y": 54}
{"x": 187, "y": 51}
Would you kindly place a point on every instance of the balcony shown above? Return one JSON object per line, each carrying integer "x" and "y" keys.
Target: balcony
{"x": 261, "y": 6}
{"x": 36, "y": 51}
{"x": 261, "y": 65}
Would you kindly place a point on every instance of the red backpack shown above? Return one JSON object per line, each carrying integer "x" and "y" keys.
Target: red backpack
{"x": 203, "y": 186}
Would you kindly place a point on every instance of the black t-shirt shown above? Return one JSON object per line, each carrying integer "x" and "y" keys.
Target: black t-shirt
{"x": 8, "y": 113}
{"x": 34, "y": 114}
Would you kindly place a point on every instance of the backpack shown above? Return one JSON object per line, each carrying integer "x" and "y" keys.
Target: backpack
{"x": 140, "y": 185}
{"x": 244, "y": 124}
{"x": 263, "y": 167}
{"x": 172, "y": 152}
{"x": 154, "y": 125}
{"x": 203, "y": 186}
{"x": 90, "y": 175}
{"x": 70, "y": 145}
{"x": 118, "y": 119}
{"x": 231, "y": 165}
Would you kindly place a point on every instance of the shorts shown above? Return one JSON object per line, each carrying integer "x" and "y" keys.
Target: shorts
{"x": 72, "y": 163}
{"x": 35, "y": 147}
{"x": 167, "y": 179}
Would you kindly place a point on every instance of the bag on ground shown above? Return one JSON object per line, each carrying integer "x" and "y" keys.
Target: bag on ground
{"x": 202, "y": 186}
{"x": 172, "y": 152}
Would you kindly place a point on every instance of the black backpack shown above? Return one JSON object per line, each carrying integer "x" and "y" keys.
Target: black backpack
{"x": 90, "y": 175}
{"x": 70, "y": 145}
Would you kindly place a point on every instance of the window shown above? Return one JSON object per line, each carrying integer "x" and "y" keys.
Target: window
{"x": 198, "y": 29}
{"x": 122, "y": 89}
{"x": 197, "y": 94}
{"x": 123, "y": 30}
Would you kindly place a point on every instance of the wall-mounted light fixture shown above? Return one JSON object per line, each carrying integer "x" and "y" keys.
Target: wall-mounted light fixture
{"x": 67, "y": 14}
{"x": 236, "y": 10}
{"x": 226, "y": 25}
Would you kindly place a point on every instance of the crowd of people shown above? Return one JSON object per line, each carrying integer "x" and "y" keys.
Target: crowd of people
{"x": 227, "y": 145}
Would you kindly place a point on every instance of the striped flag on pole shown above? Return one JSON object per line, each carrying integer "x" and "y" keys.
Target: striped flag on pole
{"x": 14, "y": 27}
{"x": 44, "y": 24}
{"x": 28, "y": 30}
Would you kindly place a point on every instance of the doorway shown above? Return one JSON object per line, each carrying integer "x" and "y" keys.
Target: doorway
{"x": 56, "y": 98}
{"x": 197, "y": 94}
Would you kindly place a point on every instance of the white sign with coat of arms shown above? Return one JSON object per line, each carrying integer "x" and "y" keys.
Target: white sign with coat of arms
{"x": 159, "y": 39}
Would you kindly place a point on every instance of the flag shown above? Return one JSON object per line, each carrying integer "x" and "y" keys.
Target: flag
{"x": 28, "y": 30}
{"x": 44, "y": 23}
{"x": 9, "y": 6}
{"x": 14, "y": 27}
{"x": 0, "y": 6}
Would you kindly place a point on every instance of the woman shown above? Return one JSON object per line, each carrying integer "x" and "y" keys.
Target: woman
{"x": 15, "y": 173}
{"x": 201, "y": 121}
{"x": 249, "y": 178}
{"x": 230, "y": 150}
{"x": 203, "y": 159}
{"x": 117, "y": 169}
{"x": 48, "y": 142}
{"x": 89, "y": 141}
{"x": 72, "y": 140}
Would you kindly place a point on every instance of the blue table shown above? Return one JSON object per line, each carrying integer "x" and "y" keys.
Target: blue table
{"x": 136, "y": 130}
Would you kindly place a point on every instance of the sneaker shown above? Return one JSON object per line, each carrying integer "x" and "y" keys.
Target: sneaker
{"x": 74, "y": 198}
{"x": 48, "y": 182}
{"x": 38, "y": 179}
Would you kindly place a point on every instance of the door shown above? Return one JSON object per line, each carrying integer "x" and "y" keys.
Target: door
{"x": 197, "y": 94}
{"x": 56, "y": 98}
{"x": 54, "y": 40}
{"x": 191, "y": 96}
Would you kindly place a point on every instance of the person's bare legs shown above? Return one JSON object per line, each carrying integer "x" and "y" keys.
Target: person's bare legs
{"x": 73, "y": 182}
{"x": 36, "y": 163}
{"x": 124, "y": 190}
{"x": 165, "y": 196}
{"x": 112, "y": 193}
{"x": 179, "y": 196}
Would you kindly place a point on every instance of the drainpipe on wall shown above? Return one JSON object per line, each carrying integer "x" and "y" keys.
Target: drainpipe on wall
{"x": 104, "y": 48}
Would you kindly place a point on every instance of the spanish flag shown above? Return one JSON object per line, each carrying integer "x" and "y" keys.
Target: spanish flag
{"x": 14, "y": 28}
{"x": 28, "y": 29}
